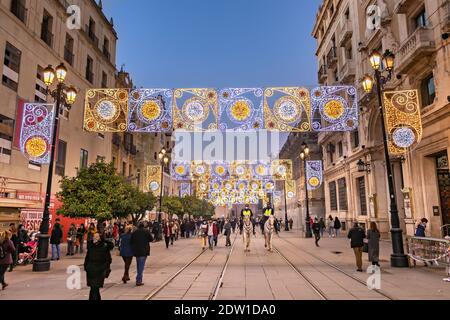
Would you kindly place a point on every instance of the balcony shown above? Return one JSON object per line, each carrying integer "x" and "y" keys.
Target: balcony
{"x": 19, "y": 10}
{"x": 322, "y": 73}
{"x": 91, "y": 35}
{"x": 116, "y": 139}
{"x": 332, "y": 57}
{"x": 419, "y": 45}
{"x": 68, "y": 55}
{"x": 404, "y": 6}
{"x": 47, "y": 37}
{"x": 346, "y": 33}
{"x": 348, "y": 72}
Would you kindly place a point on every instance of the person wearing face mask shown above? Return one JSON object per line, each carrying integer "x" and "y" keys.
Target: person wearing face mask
{"x": 247, "y": 212}
{"x": 267, "y": 212}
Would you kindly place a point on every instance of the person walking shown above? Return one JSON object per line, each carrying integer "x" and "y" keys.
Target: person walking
{"x": 316, "y": 230}
{"x": 140, "y": 243}
{"x": 203, "y": 234}
{"x": 71, "y": 240}
{"x": 291, "y": 224}
{"x": 227, "y": 232}
{"x": 79, "y": 245}
{"x": 322, "y": 227}
{"x": 357, "y": 236}
{"x": 330, "y": 226}
{"x": 97, "y": 265}
{"x": 210, "y": 232}
{"x": 7, "y": 250}
{"x": 90, "y": 234}
{"x": 337, "y": 226}
{"x": 421, "y": 228}
{"x": 173, "y": 233}
{"x": 23, "y": 239}
{"x": 216, "y": 232}
{"x": 15, "y": 241}
{"x": 233, "y": 225}
{"x": 126, "y": 251}
{"x": 55, "y": 240}
{"x": 373, "y": 236}
{"x": 167, "y": 231}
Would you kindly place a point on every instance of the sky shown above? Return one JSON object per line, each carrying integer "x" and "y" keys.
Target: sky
{"x": 216, "y": 43}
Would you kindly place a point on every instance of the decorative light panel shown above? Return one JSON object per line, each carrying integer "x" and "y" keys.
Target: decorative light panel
{"x": 260, "y": 170}
{"x": 277, "y": 197}
{"x": 281, "y": 169}
{"x": 220, "y": 170}
{"x": 291, "y": 188}
{"x": 36, "y": 133}
{"x": 269, "y": 186}
{"x": 185, "y": 190}
{"x": 153, "y": 180}
{"x": 180, "y": 170}
{"x": 195, "y": 109}
{"x": 336, "y": 107}
{"x": 287, "y": 109}
{"x": 240, "y": 109}
{"x": 314, "y": 174}
{"x": 403, "y": 120}
{"x": 150, "y": 110}
{"x": 240, "y": 170}
{"x": 106, "y": 110}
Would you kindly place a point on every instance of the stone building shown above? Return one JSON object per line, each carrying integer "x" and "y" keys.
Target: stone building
{"x": 34, "y": 34}
{"x": 347, "y": 32}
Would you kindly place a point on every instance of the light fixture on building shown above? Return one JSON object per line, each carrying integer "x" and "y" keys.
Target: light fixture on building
{"x": 375, "y": 60}
{"x": 49, "y": 75}
{"x": 367, "y": 83}
{"x": 71, "y": 95}
{"x": 363, "y": 166}
{"x": 61, "y": 73}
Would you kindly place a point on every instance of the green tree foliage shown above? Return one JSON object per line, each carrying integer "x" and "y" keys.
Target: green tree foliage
{"x": 172, "y": 205}
{"x": 193, "y": 206}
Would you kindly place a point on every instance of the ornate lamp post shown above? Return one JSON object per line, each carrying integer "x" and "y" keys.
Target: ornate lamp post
{"x": 64, "y": 96}
{"x": 304, "y": 155}
{"x": 384, "y": 64}
{"x": 164, "y": 159}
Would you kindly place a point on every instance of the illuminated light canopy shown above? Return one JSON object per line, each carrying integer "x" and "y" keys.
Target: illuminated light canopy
{"x": 153, "y": 180}
{"x": 403, "y": 120}
{"x": 241, "y": 109}
{"x": 287, "y": 109}
{"x": 220, "y": 170}
{"x": 314, "y": 174}
{"x": 180, "y": 170}
{"x": 150, "y": 110}
{"x": 336, "y": 106}
{"x": 185, "y": 190}
{"x": 37, "y": 131}
{"x": 281, "y": 169}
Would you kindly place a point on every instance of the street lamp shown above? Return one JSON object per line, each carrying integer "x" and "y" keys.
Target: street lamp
{"x": 304, "y": 155}
{"x": 385, "y": 65}
{"x": 64, "y": 96}
{"x": 164, "y": 160}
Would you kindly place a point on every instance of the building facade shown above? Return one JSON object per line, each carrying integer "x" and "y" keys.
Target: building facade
{"x": 34, "y": 34}
{"x": 347, "y": 32}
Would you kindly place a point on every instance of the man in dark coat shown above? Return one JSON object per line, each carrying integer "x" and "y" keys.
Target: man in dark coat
{"x": 55, "y": 240}
{"x": 357, "y": 236}
{"x": 140, "y": 243}
{"x": 316, "y": 230}
{"x": 97, "y": 265}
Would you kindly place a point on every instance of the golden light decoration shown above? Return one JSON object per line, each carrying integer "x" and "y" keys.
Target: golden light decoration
{"x": 180, "y": 170}
{"x": 151, "y": 110}
{"x": 36, "y": 147}
{"x": 291, "y": 188}
{"x": 403, "y": 120}
{"x": 281, "y": 169}
{"x": 314, "y": 182}
{"x": 153, "y": 180}
{"x": 334, "y": 109}
{"x": 240, "y": 110}
{"x": 106, "y": 110}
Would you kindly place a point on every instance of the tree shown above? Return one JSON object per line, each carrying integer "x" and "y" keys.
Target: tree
{"x": 143, "y": 201}
{"x": 172, "y": 205}
{"x": 96, "y": 192}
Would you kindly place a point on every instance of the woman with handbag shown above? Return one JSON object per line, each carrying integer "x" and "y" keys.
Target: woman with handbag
{"x": 126, "y": 252}
{"x": 373, "y": 237}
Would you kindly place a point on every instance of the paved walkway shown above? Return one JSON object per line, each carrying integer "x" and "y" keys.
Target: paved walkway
{"x": 257, "y": 275}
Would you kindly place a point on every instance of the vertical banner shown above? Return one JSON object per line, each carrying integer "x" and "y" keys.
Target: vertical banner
{"x": 314, "y": 174}
{"x": 291, "y": 189}
{"x": 153, "y": 180}
{"x": 185, "y": 190}
{"x": 37, "y": 131}
{"x": 403, "y": 120}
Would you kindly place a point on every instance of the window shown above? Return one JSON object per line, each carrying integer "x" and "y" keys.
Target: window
{"x": 124, "y": 168}
{"x": 333, "y": 196}
{"x": 130, "y": 170}
{"x": 40, "y": 94}
{"x": 5, "y": 148}
{"x": 341, "y": 149}
{"x": 68, "y": 49}
{"x": 18, "y": 9}
{"x": 156, "y": 156}
{"x": 60, "y": 169}
{"x": 34, "y": 166}
{"x": 114, "y": 162}
{"x": 343, "y": 203}
{"x": 347, "y": 14}
{"x": 46, "y": 29}
{"x": 361, "y": 185}
{"x": 83, "y": 159}
{"x": 89, "y": 68}
{"x": 349, "y": 52}
{"x": 420, "y": 20}
{"x": 106, "y": 48}
{"x": 104, "y": 80}
{"x": 11, "y": 67}
{"x": 355, "y": 139}
{"x": 428, "y": 90}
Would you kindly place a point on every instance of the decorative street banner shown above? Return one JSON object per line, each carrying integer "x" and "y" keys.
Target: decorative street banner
{"x": 220, "y": 170}
{"x": 150, "y": 110}
{"x": 201, "y": 170}
{"x": 403, "y": 120}
{"x": 334, "y": 108}
{"x": 195, "y": 110}
{"x": 240, "y": 170}
{"x": 37, "y": 131}
{"x": 269, "y": 186}
{"x": 287, "y": 109}
{"x": 216, "y": 185}
{"x": 281, "y": 169}
{"x": 277, "y": 197}
{"x": 202, "y": 187}
{"x": 241, "y": 109}
{"x": 153, "y": 180}
{"x": 291, "y": 188}
{"x": 185, "y": 190}
{"x": 180, "y": 170}
{"x": 106, "y": 110}
{"x": 260, "y": 170}
{"x": 314, "y": 174}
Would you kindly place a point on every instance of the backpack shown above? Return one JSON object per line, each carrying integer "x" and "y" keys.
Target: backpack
{"x": 2, "y": 251}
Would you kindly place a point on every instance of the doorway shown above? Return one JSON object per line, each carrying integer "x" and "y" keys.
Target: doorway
{"x": 443, "y": 175}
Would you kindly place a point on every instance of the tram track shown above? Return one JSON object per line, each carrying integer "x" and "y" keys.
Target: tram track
{"x": 333, "y": 266}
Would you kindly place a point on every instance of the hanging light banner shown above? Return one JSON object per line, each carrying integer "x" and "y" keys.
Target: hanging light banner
{"x": 106, "y": 110}
{"x": 185, "y": 190}
{"x": 150, "y": 110}
{"x": 180, "y": 170}
{"x": 269, "y": 186}
{"x": 314, "y": 174}
{"x": 336, "y": 107}
{"x": 403, "y": 120}
{"x": 216, "y": 185}
{"x": 220, "y": 170}
{"x": 277, "y": 197}
{"x": 241, "y": 109}
{"x": 240, "y": 170}
{"x": 153, "y": 180}
{"x": 291, "y": 189}
{"x": 281, "y": 169}
{"x": 200, "y": 170}
{"x": 195, "y": 110}
{"x": 260, "y": 170}
{"x": 287, "y": 109}
{"x": 37, "y": 131}
{"x": 202, "y": 187}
